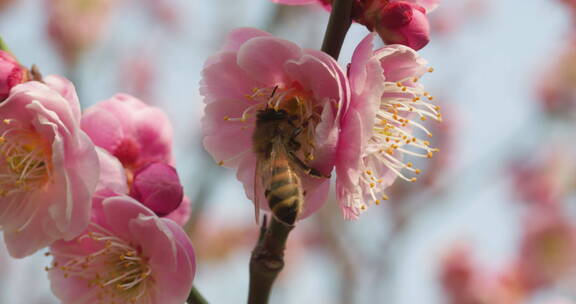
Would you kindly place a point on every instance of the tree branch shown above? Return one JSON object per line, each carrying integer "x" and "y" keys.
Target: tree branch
{"x": 267, "y": 260}
{"x": 338, "y": 25}
{"x": 195, "y": 297}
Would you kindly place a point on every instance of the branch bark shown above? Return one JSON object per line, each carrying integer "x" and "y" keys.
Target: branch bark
{"x": 267, "y": 260}
{"x": 338, "y": 25}
{"x": 195, "y": 297}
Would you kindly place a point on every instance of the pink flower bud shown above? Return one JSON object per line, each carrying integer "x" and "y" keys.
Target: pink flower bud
{"x": 11, "y": 73}
{"x": 157, "y": 187}
{"x": 400, "y": 22}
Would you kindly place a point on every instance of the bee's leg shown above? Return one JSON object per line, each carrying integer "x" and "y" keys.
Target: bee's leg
{"x": 308, "y": 170}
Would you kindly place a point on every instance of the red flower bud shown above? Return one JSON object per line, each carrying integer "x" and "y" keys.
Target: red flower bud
{"x": 158, "y": 187}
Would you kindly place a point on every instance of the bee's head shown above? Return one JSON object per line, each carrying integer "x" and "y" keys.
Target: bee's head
{"x": 270, "y": 114}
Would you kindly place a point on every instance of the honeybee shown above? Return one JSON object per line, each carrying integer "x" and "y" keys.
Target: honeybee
{"x": 278, "y": 165}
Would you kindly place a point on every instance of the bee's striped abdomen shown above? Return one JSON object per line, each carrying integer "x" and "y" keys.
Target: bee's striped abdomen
{"x": 284, "y": 192}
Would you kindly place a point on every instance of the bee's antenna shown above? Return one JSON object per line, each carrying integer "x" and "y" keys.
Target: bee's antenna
{"x": 274, "y": 91}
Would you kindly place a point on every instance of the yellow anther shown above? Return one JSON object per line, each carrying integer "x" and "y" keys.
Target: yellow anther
{"x": 368, "y": 172}
{"x": 417, "y": 171}
{"x": 404, "y": 89}
{"x": 413, "y": 179}
{"x": 226, "y": 118}
{"x": 431, "y": 98}
{"x": 363, "y": 207}
{"x": 7, "y": 121}
{"x": 399, "y": 84}
{"x": 220, "y": 163}
{"x": 430, "y": 69}
{"x": 377, "y": 202}
{"x": 2, "y": 140}
{"x": 415, "y": 79}
{"x": 423, "y": 118}
{"x": 409, "y": 165}
{"x": 385, "y": 197}
{"x": 372, "y": 185}
{"x": 415, "y": 99}
{"x": 429, "y": 154}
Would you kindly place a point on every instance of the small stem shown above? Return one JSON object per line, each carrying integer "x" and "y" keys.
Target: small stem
{"x": 195, "y": 297}
{"x": 338, "y": 25}
{"x": 267, "y": 260}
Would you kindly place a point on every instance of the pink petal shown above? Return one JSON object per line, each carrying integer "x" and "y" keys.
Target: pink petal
{"x": 66, "y": 88}
{"x": 239, "y": 36}
{"x": 400, "y": 62}
{"x": 103, "y": 128}
{"x": 120, "y": 208}
{"x": 263, "y": 59}
{"x": 182, "y": 214}
{"x": 224, "y": 80}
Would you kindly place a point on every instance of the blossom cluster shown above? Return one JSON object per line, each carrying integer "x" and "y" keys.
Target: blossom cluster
{"x": 362, "y": 122}
{"x": 98, "y": 188}
{"x": 396, "y": 21}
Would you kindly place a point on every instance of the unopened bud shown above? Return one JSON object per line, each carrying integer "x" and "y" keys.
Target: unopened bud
{"x": 158, "y": 187}
{"x": 400, "y": 22}
{"x": 11, "y": 73}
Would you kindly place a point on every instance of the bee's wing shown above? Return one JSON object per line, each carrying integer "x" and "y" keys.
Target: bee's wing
{"x": 262, "y": 173}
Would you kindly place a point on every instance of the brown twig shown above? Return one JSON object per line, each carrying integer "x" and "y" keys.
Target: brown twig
{"x": 338, "y": 25}
{"x": 267, "y": 260}
{"x": 195, "y": 297}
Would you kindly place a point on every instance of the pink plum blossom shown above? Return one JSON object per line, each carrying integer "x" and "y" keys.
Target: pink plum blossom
{"x": 49, "y": 166}
{"x": 11, "y": 73}
{"x": 127, "y": 255}
{"x": 458, "y": 275}
{"x": 547, "y": 248}
{"x": 378, "y": 127}
{"x": 131, "y": 130}
{"x": 75, "y": 25}
{"x": 140, "y": 137}
{"x": 255, "y": 70}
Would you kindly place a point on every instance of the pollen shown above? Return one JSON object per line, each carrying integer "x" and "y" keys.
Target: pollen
{"x": 26, "y": 161}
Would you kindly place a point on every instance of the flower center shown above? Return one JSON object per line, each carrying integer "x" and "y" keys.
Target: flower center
{"x": 115, "y": 270}
{"x": 24, "y": 160}
{"x": 403, "y": 104}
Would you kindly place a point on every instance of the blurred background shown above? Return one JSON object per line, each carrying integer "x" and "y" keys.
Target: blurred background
{"x": 491, "y": 220}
